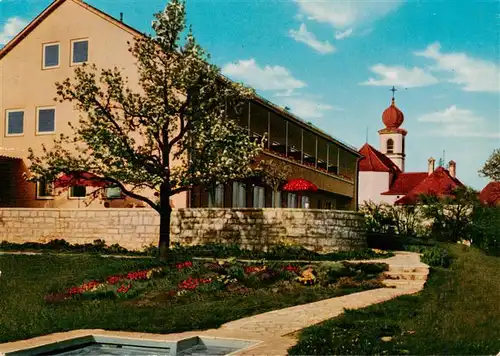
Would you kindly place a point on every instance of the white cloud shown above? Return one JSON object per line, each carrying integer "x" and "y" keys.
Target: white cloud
{"x": 344, "y": 14}
{"x": 11, "y": 28}
{"x": 308, "y": 108}
{"x": 472, "y": 74}
{"x": 400, "y": 76}
{"x": 457, "y": 122}
{"x": 262, "y": 78}
{"x": 340, "y": 35}
{"x": 304, "y": 36}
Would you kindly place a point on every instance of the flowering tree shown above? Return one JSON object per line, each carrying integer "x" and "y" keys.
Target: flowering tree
{"x": 273, "y": 173}
{"x": 170, "y": 135}
{"x": 491, "y": 168}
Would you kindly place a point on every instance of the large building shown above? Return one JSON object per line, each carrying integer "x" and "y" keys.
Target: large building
{"x": 71, "y": 32}
{"x": 382, "y": 175}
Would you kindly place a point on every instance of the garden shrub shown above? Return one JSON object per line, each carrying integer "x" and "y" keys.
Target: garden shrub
{"x": 436, "y": 257}
{"x": 485, "y": 229}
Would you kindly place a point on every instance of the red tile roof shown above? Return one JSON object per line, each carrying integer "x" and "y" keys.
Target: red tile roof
{"x": 439, "y": 183}
{"x": 490, "y": 194}
{"x": 375, "y": 161}
{"x": 405, "y": 182}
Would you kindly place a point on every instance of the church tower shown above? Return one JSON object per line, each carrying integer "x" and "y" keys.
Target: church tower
{"x": 392, "y": 137}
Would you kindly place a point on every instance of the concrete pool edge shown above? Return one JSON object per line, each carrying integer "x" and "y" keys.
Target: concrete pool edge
{"x": 99, "y": 335}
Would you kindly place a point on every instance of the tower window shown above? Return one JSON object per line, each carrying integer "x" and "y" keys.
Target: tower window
{"x": 390, "y": 145}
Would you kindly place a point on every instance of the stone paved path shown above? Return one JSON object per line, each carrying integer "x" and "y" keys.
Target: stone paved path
{"x": 273, "y": 329}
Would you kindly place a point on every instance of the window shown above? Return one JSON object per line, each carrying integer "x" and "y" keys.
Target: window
{"x": 292, "y": 200}
{"x": 305, "y": 202}
{"x": 79, "y": 51}
{"x": 46, "y": 120}
{"x": 44, "y": 189}
{"x": 239, "y": 195}
{"x": 390, "y": 145}
{"x": 276, "y": 200}
{"x": 259, "y": 200}
{"x": 50, "y": 55}
{"x": 15, "y": 123}
{"x": 113, "y": 193}
{"x": 78, "y": 191}
{"x": 216, "y": 197}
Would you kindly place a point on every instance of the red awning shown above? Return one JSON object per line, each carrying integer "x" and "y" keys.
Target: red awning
{"x": 79, "y": 178}
{"x": 299, "y": 185}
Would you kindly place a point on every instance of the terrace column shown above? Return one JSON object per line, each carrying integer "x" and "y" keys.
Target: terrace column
{"x": 249, "y": 111}
{"x": 327, "y": 157}
{"x": 302, "y": 146}
{"x": 316, "y": 158}
{"x": 268, "y": 130}
{"x": 286, "y": 138}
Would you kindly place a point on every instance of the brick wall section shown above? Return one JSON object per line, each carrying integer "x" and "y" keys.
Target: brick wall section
{"x": 319, "y": 230}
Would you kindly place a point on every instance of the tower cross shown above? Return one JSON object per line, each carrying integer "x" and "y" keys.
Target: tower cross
{"x": 394, "y": 90}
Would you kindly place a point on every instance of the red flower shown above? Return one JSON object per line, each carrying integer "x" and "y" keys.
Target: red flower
{"x": 291, "y": 268}
{"x": 113, "y": 279}
{"x": 193, "y": 283}
{"x": 124, "y": 288}
{"x": 183, "y": 265}
{"x": 252, "y": 269}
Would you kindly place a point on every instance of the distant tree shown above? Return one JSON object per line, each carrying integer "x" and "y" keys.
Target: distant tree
{"x": 273, "y": 173}
{"x": 172, "y": 134}
{"x": 451, "y": 215}
{"x": 491, "y": 168}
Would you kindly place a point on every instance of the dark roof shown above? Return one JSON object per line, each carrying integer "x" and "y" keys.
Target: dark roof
{"x": 439, "y": 183}
{"x": 403, "y": 183}
{"x": 55, "y": 4}
{"x": 375, "y": 161}
{"x": 490, "y": 194}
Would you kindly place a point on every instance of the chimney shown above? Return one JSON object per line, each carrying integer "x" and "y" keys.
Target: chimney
{"x": 121, "y": 16}
{"x": 453, "y": 168}
{"x": 430, "y": 166}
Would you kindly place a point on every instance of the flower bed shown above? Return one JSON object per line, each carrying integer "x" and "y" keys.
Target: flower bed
{"x": 198, "y": 279}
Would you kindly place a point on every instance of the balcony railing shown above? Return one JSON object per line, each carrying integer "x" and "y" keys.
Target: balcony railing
{"x": 309, "y": 165}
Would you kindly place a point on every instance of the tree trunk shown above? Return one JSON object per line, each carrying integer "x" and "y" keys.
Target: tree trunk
{"x": 165, "y": 214}
{"x": 164, "y": 243}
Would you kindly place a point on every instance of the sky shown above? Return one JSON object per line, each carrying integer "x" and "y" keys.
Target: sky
{"x": 333, "y": 63}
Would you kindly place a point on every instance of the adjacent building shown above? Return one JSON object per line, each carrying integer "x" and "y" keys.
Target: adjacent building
{"x": 382, "y": 175}
{"x": 71, "y": 32}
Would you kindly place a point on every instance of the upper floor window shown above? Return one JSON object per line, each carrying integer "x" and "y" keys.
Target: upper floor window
{"x": 50, "y": 55}
{"x": 390, "y": 145}
{"x": 79, "y": 51}
{"x": 46, "y": 120}
{"x": 15, "y": 123}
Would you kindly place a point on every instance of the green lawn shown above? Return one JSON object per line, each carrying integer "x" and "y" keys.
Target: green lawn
{"x": 457, "y": 313}
{"x": 26, "y": 280}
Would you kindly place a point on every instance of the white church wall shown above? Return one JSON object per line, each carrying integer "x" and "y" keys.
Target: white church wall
{"x": 371, "y": 184}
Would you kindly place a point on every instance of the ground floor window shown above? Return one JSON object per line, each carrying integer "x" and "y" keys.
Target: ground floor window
{"x": 305, "y": 202}
{"x": 44, "y": 189}
{"x": 292, "y": 200}
{"x": 216, "y": 197}
{"x": 276, "y": 199}
{"x": 259, "y": 197}
{"x": 239, "y": 195}
{"x": 78, "y": 191}
{"x": 113, "y": 193}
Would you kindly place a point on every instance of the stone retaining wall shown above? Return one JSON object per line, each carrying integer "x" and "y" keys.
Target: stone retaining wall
{"x": 319, "y": 230}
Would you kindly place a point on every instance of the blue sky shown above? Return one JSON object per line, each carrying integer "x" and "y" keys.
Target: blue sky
{"x": 333, "y": 63}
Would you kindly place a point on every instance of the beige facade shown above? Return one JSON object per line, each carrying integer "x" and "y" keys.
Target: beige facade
{"x": 44, "y": 53}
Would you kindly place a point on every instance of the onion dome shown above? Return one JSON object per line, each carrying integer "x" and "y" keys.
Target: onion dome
{"x": 393, "y": 117}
